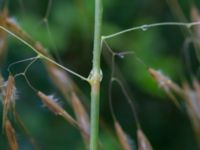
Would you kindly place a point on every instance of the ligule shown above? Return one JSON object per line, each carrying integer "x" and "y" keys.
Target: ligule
{"x": 11, "y": 137}
{"x": 55, "y": 108}
{"x": 122, "y": 137}
{"x": 9, "y": 97}
{"x": 143, "y": 142}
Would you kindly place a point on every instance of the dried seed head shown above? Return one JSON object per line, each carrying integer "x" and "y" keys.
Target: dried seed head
{"x": 9, "y": 97}
{"x": 166, "y": 84}
{"x": 82, "y": 117}
{"x": 10, "y": 134}
{"x": 55, "y": 108}
{"x": 123, "y": 138}
{"x": 161, "y": 79}
{"x": 143, "y": 142}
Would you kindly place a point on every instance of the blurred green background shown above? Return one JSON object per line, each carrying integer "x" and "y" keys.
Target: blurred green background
{"x": 71, "y": 26}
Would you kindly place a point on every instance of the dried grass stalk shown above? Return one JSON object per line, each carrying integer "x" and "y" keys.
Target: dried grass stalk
{"x": 195, "y": 17}
{"x": 61, "y": 79}
{"x": 82, "y": 117}
{"x": 123, "y": 138}
{"x": 3, "y": 34}
{"x": 10, "y": 95}
{"x": 143, "y": 142}
{"x": 10, "y": 134}
{"x": 56, "y": 108}
{"x": 193, "y": 106}
{"x": 196, "y": 29}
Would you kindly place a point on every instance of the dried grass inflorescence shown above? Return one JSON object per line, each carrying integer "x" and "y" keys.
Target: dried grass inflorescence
{"x": 192, "y": 99}
{"x": 123, "y": 137}
{"x": 166, "y": 84}
{"x": 143, "y": 142}
{"x": 9, "y": 98}
{"x": 54, "y": 107}
{"x": 10, "y": 134}
{"x": 191, "y": 96}
{"x": 82, "y": 117}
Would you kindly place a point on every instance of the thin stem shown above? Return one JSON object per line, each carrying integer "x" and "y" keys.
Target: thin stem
{"x": 95, "y": 77}
{"x": 147, "y": 26}
{"x": 43, "y": 56}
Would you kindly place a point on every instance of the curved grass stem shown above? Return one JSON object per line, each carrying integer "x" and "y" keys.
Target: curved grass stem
{"x": 147, "y": 26}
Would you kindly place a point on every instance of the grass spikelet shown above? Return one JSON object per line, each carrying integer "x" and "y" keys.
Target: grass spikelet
{"x": 9, "y": 97}
{"x": 82, "y": 117}
{"x": 143, "y": 142}
{"x": 55, "y": 108}
{"x": 10, "y": 134}
{"x": 122, "y": 136}
{"x": 166, "y": 84}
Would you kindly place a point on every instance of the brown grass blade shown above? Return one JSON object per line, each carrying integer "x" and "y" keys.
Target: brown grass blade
{"x": 143, "y": 142}
{"x": 82, "y": 117}
{"x": 122, "y": 136}
{"x": 10, "y": 95}
{"x": 55, "y": 108}
{"x": 10, "y": 134}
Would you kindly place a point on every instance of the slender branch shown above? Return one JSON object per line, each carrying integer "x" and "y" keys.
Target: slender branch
{"x": 147, "y": 26}
{"x": 43, "y": 56}
{"x": 96, "y": 76}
